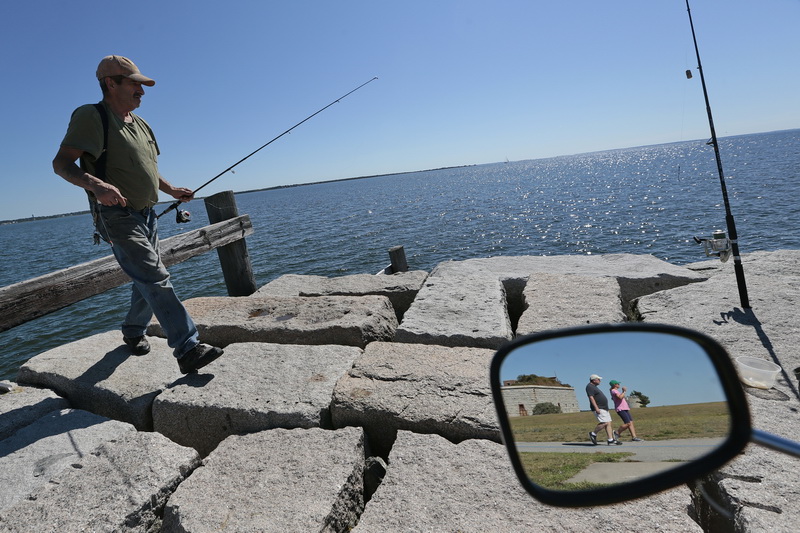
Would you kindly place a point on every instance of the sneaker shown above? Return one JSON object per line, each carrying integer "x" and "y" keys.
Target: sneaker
{"x": 138, "y": 345}
{"x": 618, "y": 443}
{"x": 616, "y": 436}
{"x": 637, "y": 439}
{"x": 593, "y": 438}
{"x": 198, "y": 357}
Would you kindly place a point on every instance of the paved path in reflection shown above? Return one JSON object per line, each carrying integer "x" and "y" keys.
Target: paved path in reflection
{"x": 646, "y": 451}
{"x": 650, "y": 457}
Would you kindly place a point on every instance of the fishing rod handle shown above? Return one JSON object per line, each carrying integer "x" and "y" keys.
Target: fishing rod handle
{"x": 172, "y": 206}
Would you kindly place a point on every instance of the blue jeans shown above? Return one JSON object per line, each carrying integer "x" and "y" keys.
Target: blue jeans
{"x": 133, "y": 236}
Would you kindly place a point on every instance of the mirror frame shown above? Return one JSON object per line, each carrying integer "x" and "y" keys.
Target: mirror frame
{"x": 740, "y": 420}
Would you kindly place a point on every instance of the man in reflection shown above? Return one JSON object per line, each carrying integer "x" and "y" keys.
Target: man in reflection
{"x": 623, "y": 410}
{"x": 599, "y": 404}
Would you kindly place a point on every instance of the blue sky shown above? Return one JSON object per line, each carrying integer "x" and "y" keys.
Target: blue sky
{"x": 670, "y": 370}
{"x": 460, "y": 83}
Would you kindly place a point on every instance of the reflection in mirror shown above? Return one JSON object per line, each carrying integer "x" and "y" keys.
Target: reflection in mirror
{"x": 677, "y": 404}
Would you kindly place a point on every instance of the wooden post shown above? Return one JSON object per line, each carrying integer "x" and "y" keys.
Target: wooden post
{"x": 233, "y": 257}
{"x": 398, "y": 257}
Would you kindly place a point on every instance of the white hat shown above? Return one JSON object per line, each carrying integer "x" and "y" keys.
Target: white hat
{"x": 121, "y": 66}
{"x": 595, "y": 376}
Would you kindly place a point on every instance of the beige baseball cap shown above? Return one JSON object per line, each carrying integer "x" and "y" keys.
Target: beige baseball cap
{"x": 594, "y": 376}
{"x": 121, "y": 66}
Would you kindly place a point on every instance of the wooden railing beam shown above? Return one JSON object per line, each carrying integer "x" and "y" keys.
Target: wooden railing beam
{"x": 30, "y": 299}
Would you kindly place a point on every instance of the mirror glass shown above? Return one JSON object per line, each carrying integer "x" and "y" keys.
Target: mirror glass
{"x": 676, "y": 401}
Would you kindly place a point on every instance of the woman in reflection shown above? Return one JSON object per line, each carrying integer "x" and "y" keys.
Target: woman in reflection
{"x": 623, "y": 410}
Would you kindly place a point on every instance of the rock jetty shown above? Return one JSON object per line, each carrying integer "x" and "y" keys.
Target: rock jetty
{"x": 362, "y": 404}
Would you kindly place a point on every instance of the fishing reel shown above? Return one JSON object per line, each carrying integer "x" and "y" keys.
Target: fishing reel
{"x": 719, "y": 245}
{"x": 181, "y": 216}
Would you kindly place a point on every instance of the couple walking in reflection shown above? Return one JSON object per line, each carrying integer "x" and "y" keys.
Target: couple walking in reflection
{"x": 599, "y": 404}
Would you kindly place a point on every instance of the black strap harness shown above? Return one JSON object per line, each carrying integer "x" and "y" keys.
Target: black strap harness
{"x": 99, "y": 171}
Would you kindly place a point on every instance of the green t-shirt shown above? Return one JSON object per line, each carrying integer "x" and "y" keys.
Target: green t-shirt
{"x": 132, "y": 160}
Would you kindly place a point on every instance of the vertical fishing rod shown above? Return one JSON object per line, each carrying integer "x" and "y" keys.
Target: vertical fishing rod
{"x": 183, "y": 216}
{"x": 737, "y": 260}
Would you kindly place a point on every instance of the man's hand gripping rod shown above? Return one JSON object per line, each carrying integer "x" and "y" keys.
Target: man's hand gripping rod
{"x": 183, "y": 216}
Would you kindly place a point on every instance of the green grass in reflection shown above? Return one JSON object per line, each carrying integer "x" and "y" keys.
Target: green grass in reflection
{"x": 652, "y": 423}
{"x": 552, "y": 469}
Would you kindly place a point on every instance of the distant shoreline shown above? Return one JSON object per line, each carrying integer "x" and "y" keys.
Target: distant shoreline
{"x": 86, "y": 212}
{"x": 351, "y": 179}
{"x": 35, "y": 218}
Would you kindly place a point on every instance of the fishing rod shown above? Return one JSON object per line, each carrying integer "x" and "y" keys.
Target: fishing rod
{"x": 732, "y": 235}
{"x": 183, "y": 216}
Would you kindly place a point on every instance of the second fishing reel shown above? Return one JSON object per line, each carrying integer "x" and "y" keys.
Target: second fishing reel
{"x": 182, "y": 216}
{"x": 719, "y": 245}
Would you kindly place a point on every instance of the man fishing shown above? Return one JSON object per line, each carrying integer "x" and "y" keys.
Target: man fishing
{"x": 119, "y": 170}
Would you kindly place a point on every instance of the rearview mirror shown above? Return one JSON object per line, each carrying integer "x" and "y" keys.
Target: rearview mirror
{"x": 688, "y": 410}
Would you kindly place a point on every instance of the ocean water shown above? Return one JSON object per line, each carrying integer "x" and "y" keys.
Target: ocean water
{"x": 647, "y": 200}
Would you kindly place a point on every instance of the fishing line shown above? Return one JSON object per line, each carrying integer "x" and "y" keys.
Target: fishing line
{"x": 183, "y": 216}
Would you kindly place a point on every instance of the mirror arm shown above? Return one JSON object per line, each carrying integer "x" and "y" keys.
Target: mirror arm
{"x": 775, "y": 442}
